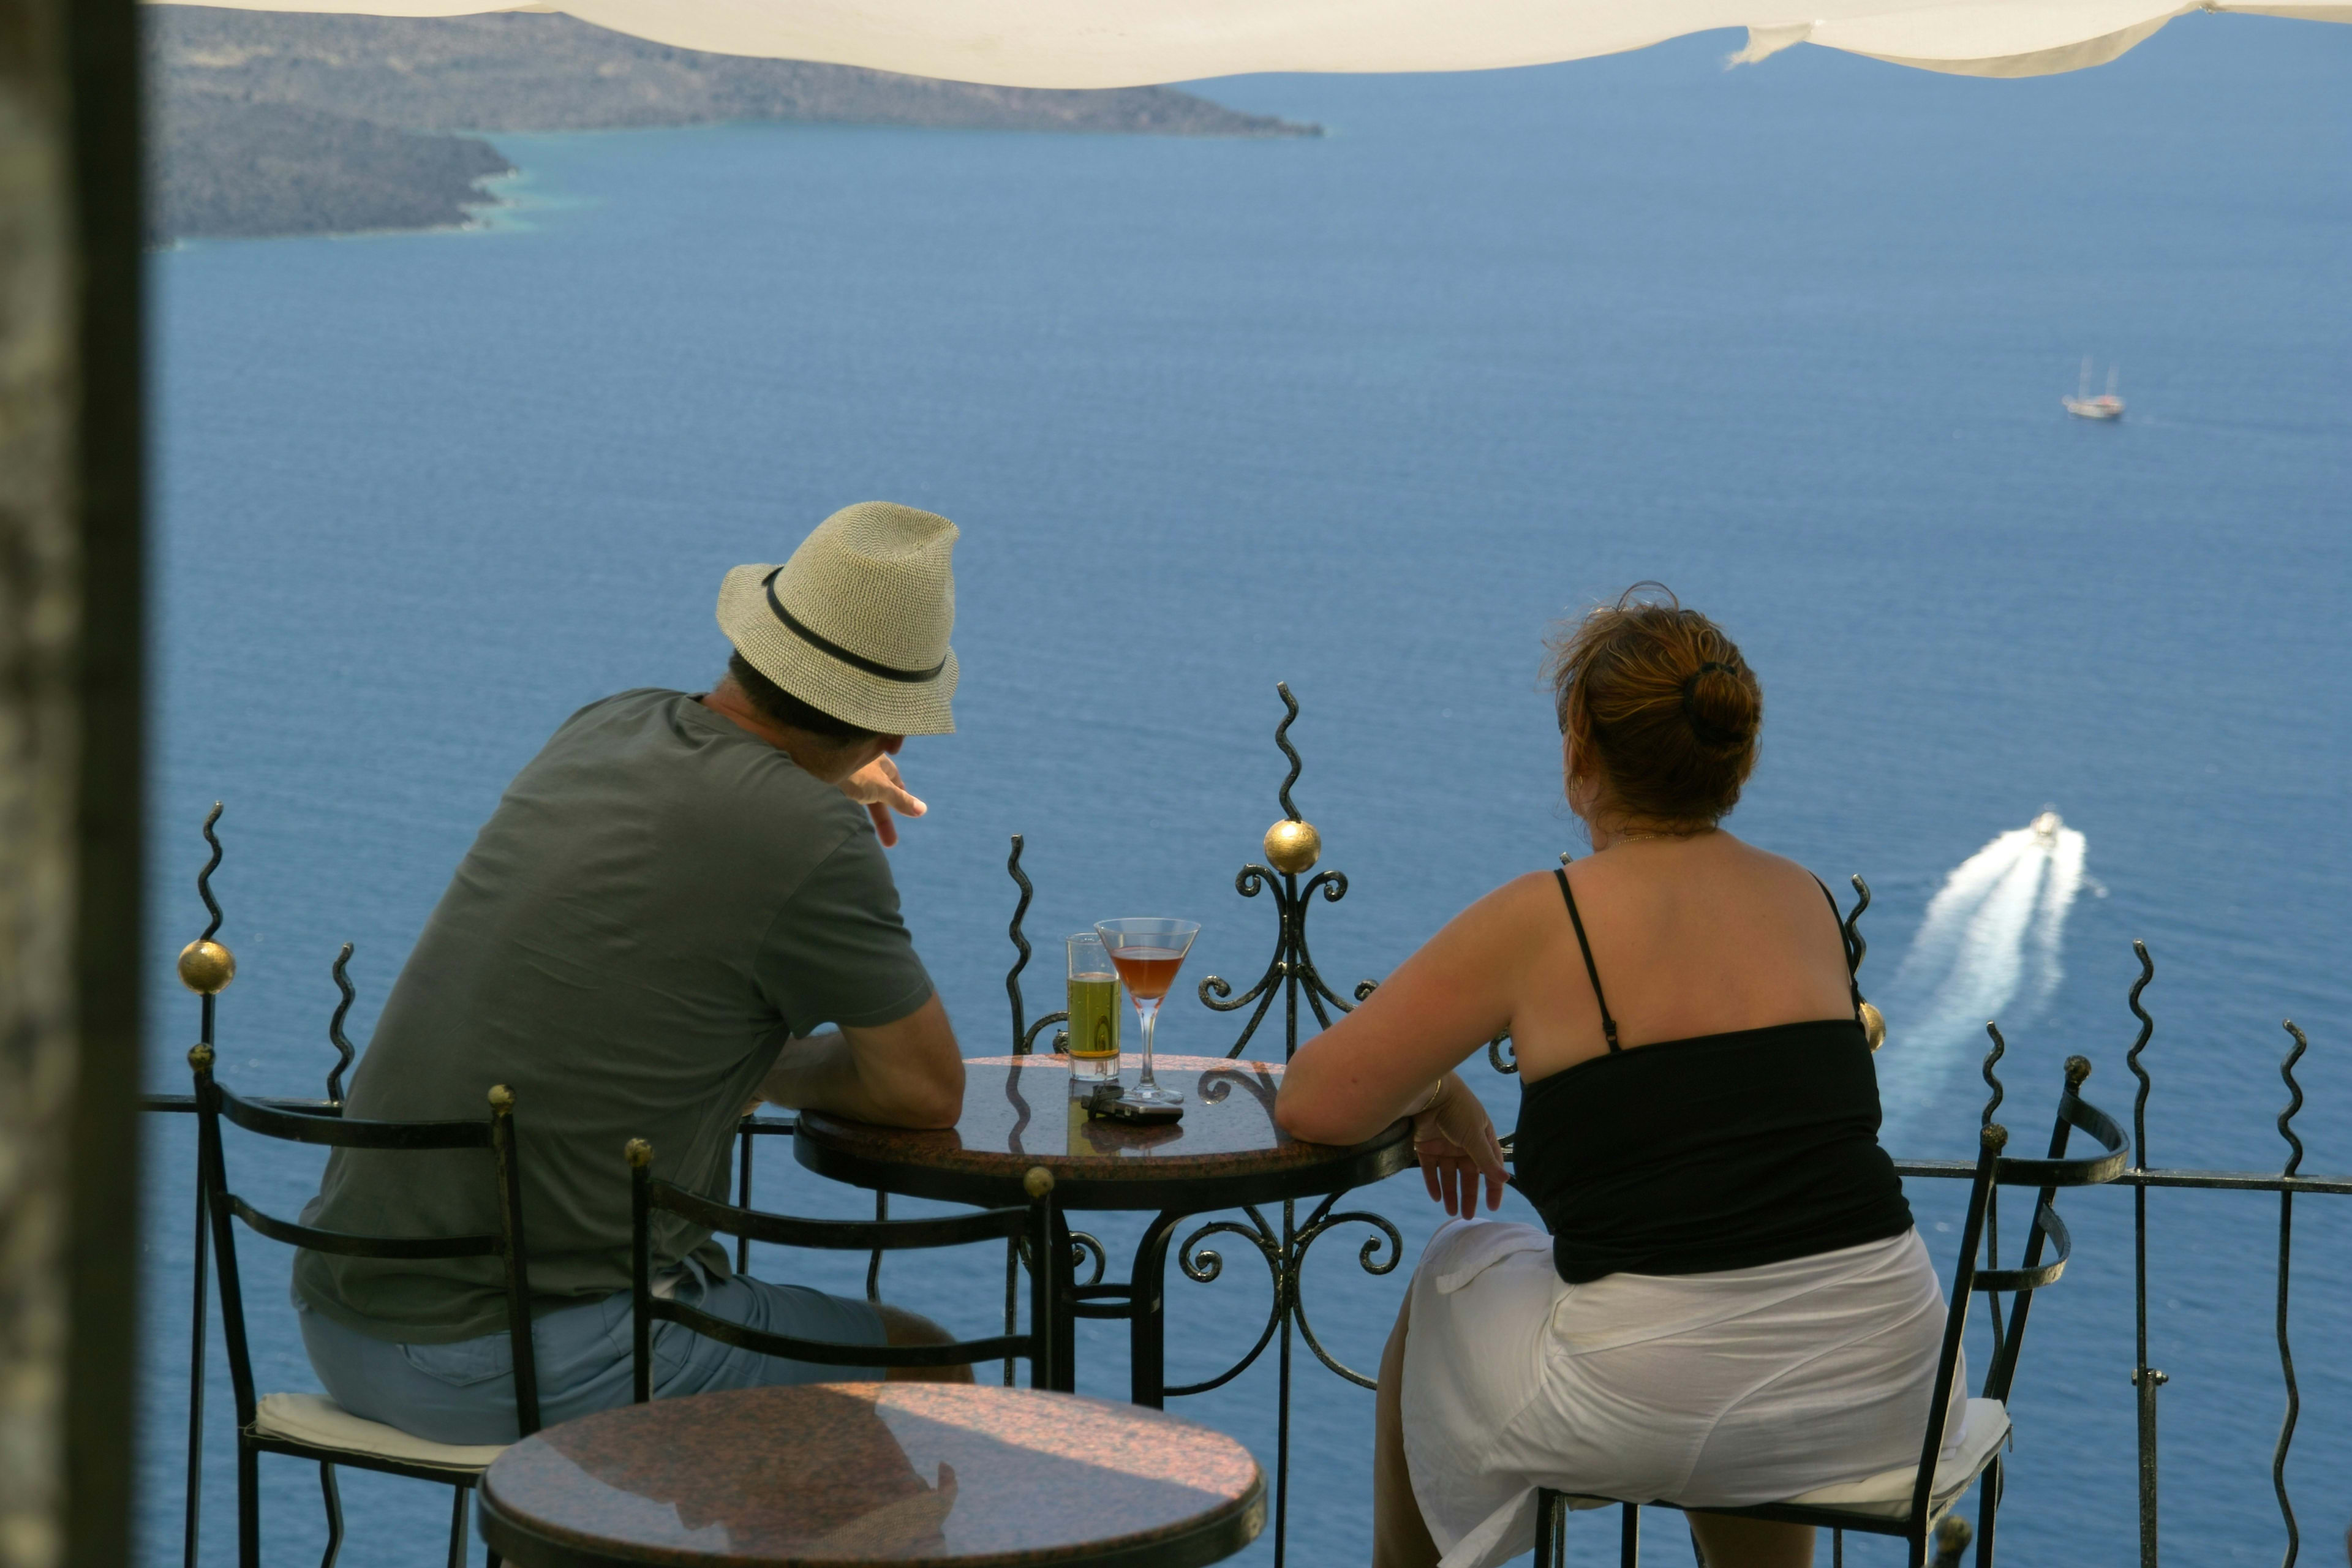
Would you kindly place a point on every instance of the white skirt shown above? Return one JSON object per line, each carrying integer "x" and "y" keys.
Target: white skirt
{"x": 1703, "y": 1390}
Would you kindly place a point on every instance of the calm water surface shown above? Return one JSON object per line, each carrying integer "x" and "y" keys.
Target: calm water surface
{"x": 1364, "y": 414}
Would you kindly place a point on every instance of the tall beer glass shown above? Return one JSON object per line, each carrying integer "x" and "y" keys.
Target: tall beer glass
{"x": 1094, "y": 1014}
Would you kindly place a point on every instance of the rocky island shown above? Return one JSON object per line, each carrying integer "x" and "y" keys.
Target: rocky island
{"x": 282, "y": 122}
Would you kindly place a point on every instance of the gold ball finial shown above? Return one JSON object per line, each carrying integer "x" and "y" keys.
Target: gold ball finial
{"x": 1293, "y": 846}
{"x": 207, "y": 967}
{"x": 1874, "y": 1025}
{"x": 2078, "y": 1069}
{"x": 640, "y": 1153}
{"x": 1038, "y": 1181}
{"x": 199, "y": 1057}
{"x": 501, "y": 1099}
{"x": 1995, "y": 1136}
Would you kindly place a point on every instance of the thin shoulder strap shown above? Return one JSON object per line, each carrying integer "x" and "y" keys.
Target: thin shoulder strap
{"x": 1608, "y": 1024}
{"x": 1852, "y": 980}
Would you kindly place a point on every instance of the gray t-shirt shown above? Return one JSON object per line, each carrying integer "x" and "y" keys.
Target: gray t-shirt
{"x": 661, "y": 901}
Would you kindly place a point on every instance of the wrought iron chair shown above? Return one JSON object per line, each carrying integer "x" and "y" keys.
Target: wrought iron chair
{"x": 1911, "y": 1502}
{"x": 311, "y": 1425}
{"x": 1032, "y": 1225}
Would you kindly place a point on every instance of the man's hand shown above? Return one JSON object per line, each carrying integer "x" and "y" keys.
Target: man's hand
{"x": 877, "y": 787}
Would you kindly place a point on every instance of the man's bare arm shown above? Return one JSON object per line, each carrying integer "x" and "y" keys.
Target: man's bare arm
{"x": 905, "y": 1074}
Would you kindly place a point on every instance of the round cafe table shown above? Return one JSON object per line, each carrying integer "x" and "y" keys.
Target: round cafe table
{"x": 844, "y": 1473}
{"x": 1017, "y": 1113}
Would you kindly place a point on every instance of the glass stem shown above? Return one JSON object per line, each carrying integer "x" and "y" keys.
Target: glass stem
{"x": 1150, "y": 1012}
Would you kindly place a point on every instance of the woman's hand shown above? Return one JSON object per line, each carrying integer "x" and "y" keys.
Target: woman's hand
{"x": 1455, "y": 1140}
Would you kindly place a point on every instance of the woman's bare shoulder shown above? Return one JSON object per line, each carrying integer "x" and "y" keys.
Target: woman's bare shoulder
{"x": 1509, "y": 904}
{"x": 1796, "y": 873}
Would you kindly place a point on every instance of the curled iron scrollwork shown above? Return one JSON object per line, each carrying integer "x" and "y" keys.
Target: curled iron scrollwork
{"x": 1021, "y": 1037}
{"x": 1085, "y": 1245}
{"x": 1085, "y": 1248}
{"x": 1281, "y": 740}
{"x": 1290, "y": 972}
{"x": 1857, "y": 949}
{"x": 1368, "y": 1257}
{"x": 335, "y": 1025}
{"x": 1495, "y": 1057}
{"x": 2131, "y": 1057}
{"x": 205, "y": 876}
{"x": 2294, "y": 1103}
{"x": 1992, "y": 1080}
{"x": 1203, "y": 1266}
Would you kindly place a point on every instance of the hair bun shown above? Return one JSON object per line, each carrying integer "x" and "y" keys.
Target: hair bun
{"x": 1721, "y": 722}
{"x": 1657, "y": 702}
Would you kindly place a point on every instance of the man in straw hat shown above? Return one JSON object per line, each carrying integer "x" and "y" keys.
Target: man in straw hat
{"x": 670, "y": 904}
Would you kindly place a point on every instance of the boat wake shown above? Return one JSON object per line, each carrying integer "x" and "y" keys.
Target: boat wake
{"x": 1989, "y": 948}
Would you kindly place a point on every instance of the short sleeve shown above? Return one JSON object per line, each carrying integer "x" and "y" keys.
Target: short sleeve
{"x": 837, "y": 953}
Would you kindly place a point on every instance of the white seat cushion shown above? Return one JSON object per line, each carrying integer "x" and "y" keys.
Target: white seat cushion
{"x": 315, "y": 1419}
{"x": 1983, "y": 1428}
{"x": 1887, "y": 1495}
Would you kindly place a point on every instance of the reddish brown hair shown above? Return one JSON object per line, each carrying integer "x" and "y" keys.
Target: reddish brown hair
{"x": 1662, "y": 703}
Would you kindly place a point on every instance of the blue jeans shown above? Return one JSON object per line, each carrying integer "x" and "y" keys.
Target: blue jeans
{"x": 464, "y": 1392}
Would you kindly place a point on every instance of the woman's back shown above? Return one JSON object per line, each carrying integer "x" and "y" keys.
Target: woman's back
{"x": 1740, "y": 1127}
{"x": 1691, "y": 936}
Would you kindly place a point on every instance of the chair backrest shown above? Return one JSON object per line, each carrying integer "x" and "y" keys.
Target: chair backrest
{"x": 2048, "y": 1232}
{"x": 1994, "y": 1170}
{"x": 494, "y": 1133}
{"x": 1033, "y": 1223}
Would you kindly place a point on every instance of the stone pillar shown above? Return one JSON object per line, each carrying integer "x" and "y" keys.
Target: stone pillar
{"x": 70, "y": 761}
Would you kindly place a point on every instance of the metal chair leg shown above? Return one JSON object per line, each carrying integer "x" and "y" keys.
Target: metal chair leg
{"x": 1837, "y": 1549}
{"x": 1547, "y": 1551}
{"x": 334, "y": 1499}
{"x": 1987, "y": 1508}
{"x": 457, "y": 1527}
{"x": 248, "y": 1505}
{"x": 1629, "y": 1539}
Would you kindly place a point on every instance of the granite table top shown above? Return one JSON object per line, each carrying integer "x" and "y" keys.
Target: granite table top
{"x": 1018, "y": 1112}
{"x": 943, "y": 1474}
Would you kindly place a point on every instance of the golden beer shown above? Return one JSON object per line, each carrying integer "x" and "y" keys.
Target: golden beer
{"x": 1094, "y": 1014}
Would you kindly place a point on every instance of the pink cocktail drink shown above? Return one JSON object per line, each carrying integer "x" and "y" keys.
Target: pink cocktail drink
{"x": 1148, "y": 951}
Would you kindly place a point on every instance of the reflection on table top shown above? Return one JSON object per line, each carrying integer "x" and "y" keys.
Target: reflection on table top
{"x": 874, "y": 1472}
{"x": 1018, "y": 1112}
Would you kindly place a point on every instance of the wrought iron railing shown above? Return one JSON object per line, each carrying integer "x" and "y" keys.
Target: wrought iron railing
{"x": 1292, "y": 849}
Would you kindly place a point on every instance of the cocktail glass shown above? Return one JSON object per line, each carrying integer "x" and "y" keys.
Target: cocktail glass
{"x": 1094, "y": 1014}
{"x": 1148, "y": 953}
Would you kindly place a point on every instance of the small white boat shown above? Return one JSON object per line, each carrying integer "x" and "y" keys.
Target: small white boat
{"x": 2082, "y": 405}
{"x": 2045, "y": 827}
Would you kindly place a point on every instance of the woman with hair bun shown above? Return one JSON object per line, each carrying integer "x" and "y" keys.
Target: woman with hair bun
{"x": 1729, "y": 1303}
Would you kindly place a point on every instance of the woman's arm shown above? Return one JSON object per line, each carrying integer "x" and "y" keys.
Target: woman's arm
{"x": 1394, "y": 1055}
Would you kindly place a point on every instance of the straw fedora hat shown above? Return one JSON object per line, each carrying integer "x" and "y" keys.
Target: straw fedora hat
{"x": 856, "y": 622}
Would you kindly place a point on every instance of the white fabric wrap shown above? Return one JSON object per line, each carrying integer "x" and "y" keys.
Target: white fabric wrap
{"x": 1683, "y": 1389}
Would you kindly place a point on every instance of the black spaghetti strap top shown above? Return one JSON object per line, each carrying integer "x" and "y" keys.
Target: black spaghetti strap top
{"x": 1718, "y": 1151}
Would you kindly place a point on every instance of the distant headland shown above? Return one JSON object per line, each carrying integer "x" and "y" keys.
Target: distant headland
{"x": 282, "y": 122}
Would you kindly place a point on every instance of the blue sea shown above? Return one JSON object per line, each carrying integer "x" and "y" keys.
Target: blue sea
{"x": 1368, "y": 414}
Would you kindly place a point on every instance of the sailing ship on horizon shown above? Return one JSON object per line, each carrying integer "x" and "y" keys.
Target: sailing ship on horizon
{"x": 2106, "y": 405}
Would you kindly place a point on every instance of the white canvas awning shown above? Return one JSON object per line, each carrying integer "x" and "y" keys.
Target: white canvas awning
{"x": 1128, "y": 43}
